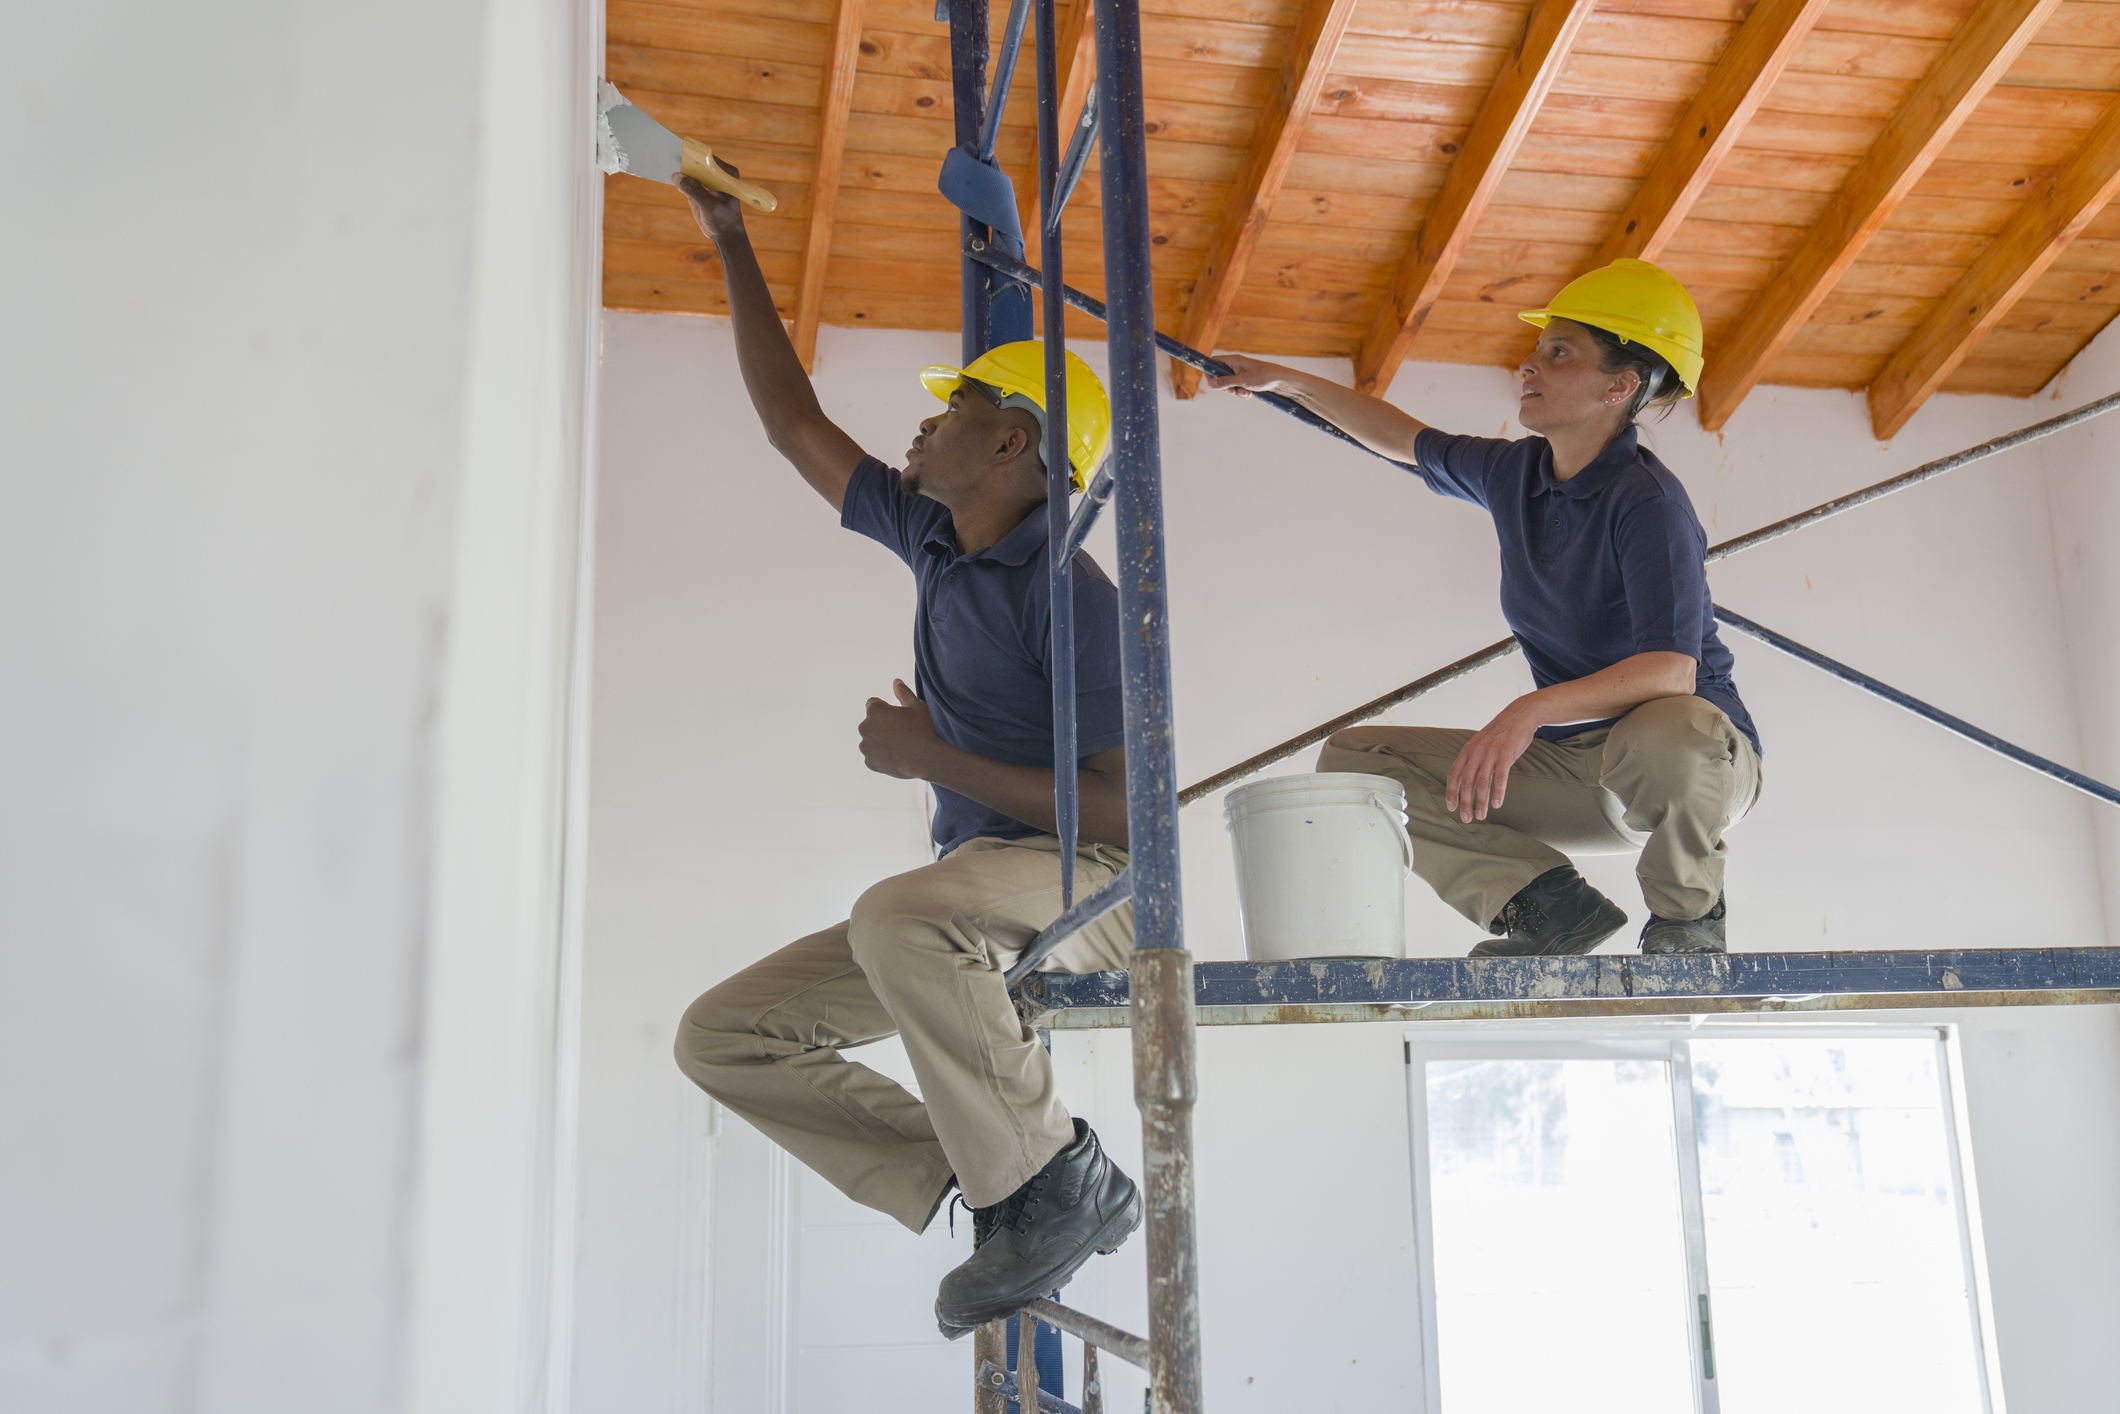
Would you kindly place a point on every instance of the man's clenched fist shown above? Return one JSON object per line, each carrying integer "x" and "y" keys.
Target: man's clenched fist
{"x": 899, "y": 741}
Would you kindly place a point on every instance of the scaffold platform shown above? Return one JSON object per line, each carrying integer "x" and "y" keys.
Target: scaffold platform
{"x": 1510, "y": 988}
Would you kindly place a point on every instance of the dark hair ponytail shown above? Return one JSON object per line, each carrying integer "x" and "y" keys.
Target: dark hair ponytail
{"x": 1659, "y": 387}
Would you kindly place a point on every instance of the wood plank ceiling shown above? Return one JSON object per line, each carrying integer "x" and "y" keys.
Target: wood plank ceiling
{"x": 1908, "y": 196}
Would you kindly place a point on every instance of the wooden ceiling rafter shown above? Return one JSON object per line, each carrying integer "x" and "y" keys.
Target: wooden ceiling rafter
{"x": 838, "y": 109}
{"x": 1076, "y": 47}
{"x": 1969, "y": 66}
{"x": 1482, "y": 160}
{"x": 1408, "y": 83}
{"x": 2000, "y": 276}
{"x": 1732, "y": 94}
{"x": 1304, "y": 70}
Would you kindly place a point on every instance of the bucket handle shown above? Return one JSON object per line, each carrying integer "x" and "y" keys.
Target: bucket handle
{"x": 1397, "y": 817}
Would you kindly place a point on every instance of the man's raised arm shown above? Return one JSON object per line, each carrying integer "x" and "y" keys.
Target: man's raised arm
{"x": 772, "y": 374}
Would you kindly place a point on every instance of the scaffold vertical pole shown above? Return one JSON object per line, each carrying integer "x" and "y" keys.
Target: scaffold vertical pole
{"x": 970, "y": 41}
{"x": 989, "y": 1348}
{"x": 1161, "y": 976}
{"x": 1058, "y": 471}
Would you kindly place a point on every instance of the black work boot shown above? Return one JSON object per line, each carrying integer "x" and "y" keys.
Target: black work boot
{"x": 1040, "y": 1235}
{"x": 1687, "y": 935}
{"x": 982, "y": 1218}
{"x": 1557, "y": 914}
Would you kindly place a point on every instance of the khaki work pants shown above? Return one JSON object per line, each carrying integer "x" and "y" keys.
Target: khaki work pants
{"x": 1668, "y": 778}
{"x": 922, "y": 956}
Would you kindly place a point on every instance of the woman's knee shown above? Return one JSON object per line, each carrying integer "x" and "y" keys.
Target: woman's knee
{"x": 1669, "y": 744}
{"x": 1416, "y": 757}
{"x": 1387, "y": 750}
{"x": 1349, "y": 749}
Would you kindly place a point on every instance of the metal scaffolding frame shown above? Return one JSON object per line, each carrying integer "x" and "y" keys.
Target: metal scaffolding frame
{"x": 1163, "y": 996}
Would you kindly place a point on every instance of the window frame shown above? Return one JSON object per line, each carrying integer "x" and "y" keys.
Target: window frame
{"x": 1669, "y": 1041}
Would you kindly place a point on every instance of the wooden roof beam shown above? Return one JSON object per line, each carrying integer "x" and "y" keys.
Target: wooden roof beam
{"x": 1977, "y": 56}
{"x": 824, "y": 185}
{"x": 1076, "y": 43}
{"x": 1734, "y": 89}
{"x": 1273, "y": 146}
{"x": 2011, "y": 264}
{"x": 1489, "y": 148}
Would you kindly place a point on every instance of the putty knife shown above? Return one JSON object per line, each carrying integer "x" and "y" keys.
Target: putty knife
{"x": 628, "y": 140}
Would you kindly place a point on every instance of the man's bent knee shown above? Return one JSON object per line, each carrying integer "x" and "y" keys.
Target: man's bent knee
{"x": 891, "y": 914}
{"x": 712, "y": 1036}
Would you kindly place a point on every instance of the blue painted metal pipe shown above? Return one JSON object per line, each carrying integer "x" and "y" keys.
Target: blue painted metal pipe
{"x": 1045, "y": 1355}
{"x": 1018, "y": 271}
{"x": 1071, "y": 166}
{"x": 1921, "y": 709}
{"x": 1166, "y": 1080}
{"x": 995, "y": 1378}
{"x": 1116, "y": 890}
{"x": 968, "y": 55}
{"x": 1093, "y": 501}
{"x": 1137, "y": 471}
{"x": 1058, "y": 471}
{"x": 2084, "y": 974}
{"x": 1004, "y": 76}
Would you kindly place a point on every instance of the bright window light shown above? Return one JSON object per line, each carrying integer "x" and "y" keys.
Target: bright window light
{"x": 1832, "y": 1227}
{"x": 1718, "y": 1219}
{"x": 1559, "y": 1274}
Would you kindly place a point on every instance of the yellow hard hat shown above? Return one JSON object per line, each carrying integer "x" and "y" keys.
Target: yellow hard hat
{"x": 1641, "y": 303}
{"x": 1018, "y": 371}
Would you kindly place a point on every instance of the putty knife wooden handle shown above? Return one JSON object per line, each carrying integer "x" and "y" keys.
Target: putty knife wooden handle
{"x": 700, "y": 166}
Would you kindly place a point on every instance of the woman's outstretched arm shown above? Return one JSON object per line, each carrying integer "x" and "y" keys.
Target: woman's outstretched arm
{"x": 1373, "y": 422}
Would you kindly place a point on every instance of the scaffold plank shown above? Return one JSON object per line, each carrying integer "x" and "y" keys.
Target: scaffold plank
{"x": 1457, "y": 988}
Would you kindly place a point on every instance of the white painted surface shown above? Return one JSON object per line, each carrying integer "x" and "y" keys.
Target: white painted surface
{"x": 2083, "y": 488}
{"x": 242, "y": 256}
{"x": 492, "y": 1253}
{"x": 739, "y": 630}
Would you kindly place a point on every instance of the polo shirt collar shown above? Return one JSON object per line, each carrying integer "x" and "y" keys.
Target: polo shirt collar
{"x": 1014, "y": 548}
{"x": 1604, "y": 468}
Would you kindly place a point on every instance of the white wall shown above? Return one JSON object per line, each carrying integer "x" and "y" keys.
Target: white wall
{"x": 231, "y": 409}
{"x": 240, "y": 246}
{"x": 1309, "y": 1291}
{"x": 738, "y": 631}
{"x": 2083, "y": 490}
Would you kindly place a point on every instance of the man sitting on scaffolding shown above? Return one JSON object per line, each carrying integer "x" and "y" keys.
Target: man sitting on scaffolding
{"x": 1635, "y": 737}
{"x": 922, "y": 954}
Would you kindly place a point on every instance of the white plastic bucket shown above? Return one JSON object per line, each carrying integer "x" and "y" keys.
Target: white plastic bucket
{"x": 1321, "y": 865}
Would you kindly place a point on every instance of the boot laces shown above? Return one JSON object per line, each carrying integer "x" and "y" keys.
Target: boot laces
{"x": 983, "y": 1223}
{"x": 1523, "y": 914}
{"x": 1017, "y": 1211}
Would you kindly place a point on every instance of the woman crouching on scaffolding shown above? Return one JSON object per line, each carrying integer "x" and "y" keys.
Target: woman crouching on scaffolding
{"x": 1635, "y": 736}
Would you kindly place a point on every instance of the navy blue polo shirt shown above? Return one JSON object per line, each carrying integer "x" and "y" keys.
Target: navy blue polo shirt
{"x": 982, "y": 636}
{"x": 1596, "y": 568}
